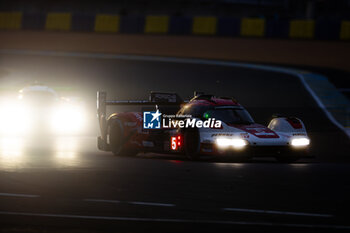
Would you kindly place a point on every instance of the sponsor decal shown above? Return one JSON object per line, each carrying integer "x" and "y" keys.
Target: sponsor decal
{"x": 244, "y": 135}
{"x": 299, "y": 134}
{"x": 221, "y": 134}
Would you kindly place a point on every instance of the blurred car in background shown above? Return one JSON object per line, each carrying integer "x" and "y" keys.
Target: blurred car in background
{"x": 38, "y": 109}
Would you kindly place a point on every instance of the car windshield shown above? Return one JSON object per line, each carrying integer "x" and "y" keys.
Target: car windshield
{"x": 39, "y": 97}
{"x": 230, "y": 115}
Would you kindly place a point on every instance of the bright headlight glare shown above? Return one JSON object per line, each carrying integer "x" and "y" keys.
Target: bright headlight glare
{"x": 14, "y": 118}
{"x": 231, "y": 142}
{"x": 223, "y": 142}
{"x": 67, "y": 119}
{"x": 298, "y": 142}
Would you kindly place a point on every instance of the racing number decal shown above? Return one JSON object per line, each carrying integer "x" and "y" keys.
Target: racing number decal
{"x": 173, "y": 143}
{"x": 176, "y": 142}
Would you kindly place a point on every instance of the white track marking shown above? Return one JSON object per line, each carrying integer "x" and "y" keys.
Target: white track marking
{"x": 171, "y": 220}
{"x": 321, "y": 105}
{"x": 278, "y": 212}
{"x": 293, "y": 72}
{"x": 151, "y": 203}
{"x": 131, "y": 202}
{"x": 18, "y": 195}
{"x": 102, "y": 200}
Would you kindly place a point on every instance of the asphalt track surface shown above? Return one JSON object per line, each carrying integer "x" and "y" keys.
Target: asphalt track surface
{"x": 64, "y": 184}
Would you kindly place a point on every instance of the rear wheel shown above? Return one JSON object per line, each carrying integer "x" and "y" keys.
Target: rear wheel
{"x": 117, "y": 140}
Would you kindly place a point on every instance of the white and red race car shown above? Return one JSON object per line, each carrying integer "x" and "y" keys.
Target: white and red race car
{"x": 205, "y": 125}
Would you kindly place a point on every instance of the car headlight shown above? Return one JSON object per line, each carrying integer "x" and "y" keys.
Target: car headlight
{"x": 68, "y": 119}
{"x": 14, "y": 118}
{"x": 231, "y": 142}
{"x": 300, "y": 142}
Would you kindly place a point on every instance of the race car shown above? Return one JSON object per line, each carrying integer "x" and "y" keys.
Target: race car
{"x": 205, "y": 125}
{"x": 38, "y": 109}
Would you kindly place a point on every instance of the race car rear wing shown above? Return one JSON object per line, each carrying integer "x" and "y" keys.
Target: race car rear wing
{"x": 155, "y": 99}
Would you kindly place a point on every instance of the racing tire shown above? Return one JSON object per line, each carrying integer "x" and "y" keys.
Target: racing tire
{"x": 117, "y": 139}
{"x": 192, "y": 144}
